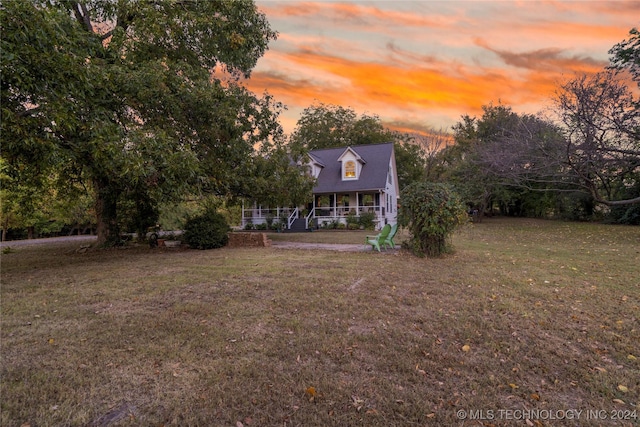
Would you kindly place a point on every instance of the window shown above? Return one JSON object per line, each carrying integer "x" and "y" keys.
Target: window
{"x": 350, "y": 169}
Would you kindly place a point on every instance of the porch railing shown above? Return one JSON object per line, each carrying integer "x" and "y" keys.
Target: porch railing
{"x": 307, "y": 218}
{"x": 322, "y": 214}
{"x": 341, "y": 211}
{"x": 294, "y": 215}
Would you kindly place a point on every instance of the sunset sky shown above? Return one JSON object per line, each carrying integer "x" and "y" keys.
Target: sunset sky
{"x": 424, "y": 64}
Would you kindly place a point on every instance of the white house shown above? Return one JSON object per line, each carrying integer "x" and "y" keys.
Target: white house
{"x": 354, "y": 179}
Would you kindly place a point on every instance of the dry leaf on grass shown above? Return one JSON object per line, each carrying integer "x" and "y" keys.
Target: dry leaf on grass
{"x": 311, "y": 393}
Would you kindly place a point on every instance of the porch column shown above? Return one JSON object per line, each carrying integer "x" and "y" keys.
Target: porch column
{"x": 335, "y": 205}
{"x": 357, "y": 205}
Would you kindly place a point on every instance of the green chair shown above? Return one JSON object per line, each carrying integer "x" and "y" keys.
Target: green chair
{"x": 389, "y": 240}
{"x": 378, "y": 240}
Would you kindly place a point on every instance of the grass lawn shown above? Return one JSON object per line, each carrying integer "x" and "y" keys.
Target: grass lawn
{"x": 526, "y": 319}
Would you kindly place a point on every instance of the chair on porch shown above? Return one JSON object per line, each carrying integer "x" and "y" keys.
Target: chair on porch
{"x": 378, "y": 240}
{"x": 389, "y": 240}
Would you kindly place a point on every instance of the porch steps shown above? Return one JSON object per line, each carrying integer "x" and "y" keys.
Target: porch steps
{"x": 298, "y": 226}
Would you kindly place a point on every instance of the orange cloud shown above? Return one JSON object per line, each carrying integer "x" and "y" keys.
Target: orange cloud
{"x": 353, "y": 14}
{"x": 392, "y": 86}
{"x": 423, "y": 68}
{"x": 551, "y": 60}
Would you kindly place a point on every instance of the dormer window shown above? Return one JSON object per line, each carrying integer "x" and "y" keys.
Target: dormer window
{"x": 352, "y": 164}
{"x": 350, "y": 169}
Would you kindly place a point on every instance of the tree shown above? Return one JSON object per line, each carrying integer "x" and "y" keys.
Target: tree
{"x": 431, "y": 144}
{"x": 626, "y": 55}
{"x": 506, "y": 159}
{"x": 327, "y": 126}
{"x": 601, "y": 125}
{"x": 121, "y": 95}
{"x": 431, "y": 212}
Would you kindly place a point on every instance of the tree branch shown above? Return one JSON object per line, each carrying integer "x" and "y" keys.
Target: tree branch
{"x": 82, "y": 16}
{"x": 106, "y": 35}
{"x": 619, "y": 202}
{"x": 28, "y": 112}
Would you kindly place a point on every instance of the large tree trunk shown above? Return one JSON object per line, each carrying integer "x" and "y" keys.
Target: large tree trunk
{"x": 106, "y": 213}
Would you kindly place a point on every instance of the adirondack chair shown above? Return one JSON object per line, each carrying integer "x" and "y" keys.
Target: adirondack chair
{"x": 379, "y": 239}
{"x": 389, "y": 240}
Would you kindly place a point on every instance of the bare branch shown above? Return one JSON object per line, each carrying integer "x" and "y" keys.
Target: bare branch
{"x": 619, "y": 202}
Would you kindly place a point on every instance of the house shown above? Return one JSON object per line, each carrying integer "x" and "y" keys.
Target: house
{"x": 349, "y": 180}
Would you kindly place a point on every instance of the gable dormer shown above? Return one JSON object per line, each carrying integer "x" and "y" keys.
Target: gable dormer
{"x": 351, "y": 164}
{"x": 315, "y": 165}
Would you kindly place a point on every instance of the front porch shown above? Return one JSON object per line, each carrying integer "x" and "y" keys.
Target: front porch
{"x": 326, "y": 211}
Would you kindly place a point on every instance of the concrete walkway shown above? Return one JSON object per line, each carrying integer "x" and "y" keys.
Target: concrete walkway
{"x": 326, "y": 247}
{"x": 322, "y": 246}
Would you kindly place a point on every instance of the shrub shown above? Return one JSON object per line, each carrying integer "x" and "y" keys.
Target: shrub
{"x": 269, "y": 220}
{"x": 353, "y": 222}
{"x": 206, "y": 231}
{"x": 276, "y": 225}
{"x": 367, "y": 220}
{"x": 431, "y": 212}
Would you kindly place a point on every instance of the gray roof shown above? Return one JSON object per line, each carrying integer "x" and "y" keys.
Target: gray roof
{"x": 372, "y": 177}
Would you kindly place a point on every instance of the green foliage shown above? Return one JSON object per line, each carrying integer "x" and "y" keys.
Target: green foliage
{"x": 626, "y": 55}
{"x": 39, "y": 204}
{"x": 206, "y": 231}
{"x": 327, "y": 126}
{"x": 353, "y": 222}
{"x": 137, "y": 215}
{"x": 627, "y": 214}
{"x": 431, "y": 212}
{"x": 506, "y": 160}
{"x": 173, "y": 216}
{"x": 410, "y": 162}
{"x": 367, "y": 220}
{"x": 119, "y": 96}
{"x": 276, "y": 180}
